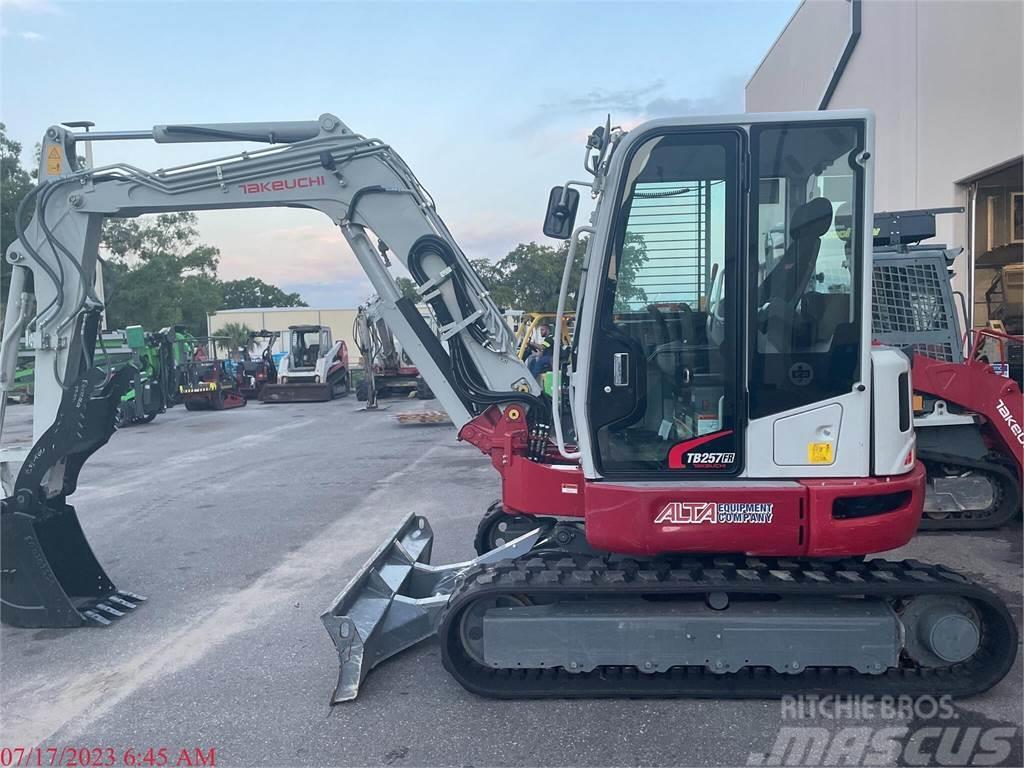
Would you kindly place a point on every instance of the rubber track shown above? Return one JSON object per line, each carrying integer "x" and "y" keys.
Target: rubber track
{"x": 1006, "y": 505}
{"x": 557, "y": 575}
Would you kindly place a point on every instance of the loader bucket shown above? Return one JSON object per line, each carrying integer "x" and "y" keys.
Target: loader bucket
{"x": 296, "y": 393}
{"x": 50, "y": 576}
{"x": 396, "y": 600}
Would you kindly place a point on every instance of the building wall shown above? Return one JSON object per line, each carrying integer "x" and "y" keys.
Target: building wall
{"x": 945, "y": 80}
{"x": 274, "y": 319}
{"x": 793, "y": 74}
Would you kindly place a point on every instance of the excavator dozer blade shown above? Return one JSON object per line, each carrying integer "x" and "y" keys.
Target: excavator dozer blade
{"x": 50, "y": 576}
{"x": 396, "y": 600}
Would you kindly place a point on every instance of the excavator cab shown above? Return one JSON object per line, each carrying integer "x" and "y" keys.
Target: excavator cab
{"x": 690, "y": 349}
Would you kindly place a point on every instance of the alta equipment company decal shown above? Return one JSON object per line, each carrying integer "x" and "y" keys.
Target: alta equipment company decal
{"x": 714, "y": 512}
{"x": 693, "y": 454}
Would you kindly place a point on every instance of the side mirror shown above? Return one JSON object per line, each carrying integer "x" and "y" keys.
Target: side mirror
{"x": 561, "y": 215}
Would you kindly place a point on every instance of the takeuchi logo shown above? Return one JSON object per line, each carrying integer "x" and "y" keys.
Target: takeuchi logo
{"x": 1015, "y": 428}
{"x": 279, "y": 185}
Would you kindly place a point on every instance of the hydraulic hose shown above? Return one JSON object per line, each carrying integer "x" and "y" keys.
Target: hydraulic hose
{"x": 432, "y": 244}
{"x": 467, "y": 379}
{"x": 19, "y": 228}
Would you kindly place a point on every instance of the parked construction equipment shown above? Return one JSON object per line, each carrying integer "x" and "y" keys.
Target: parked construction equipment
{"x": 207, "y": 384}
{"x": 146, "y": 398}
{"x": 1004, "y": 298}
{"x": 314, "y": 370}
{"x": 171, "y": 349}
{"x": 730, "y": 453}
{"x": 387, "y": 370}
{"x": 964, "y": 411}
{"x": 254, "y": 374}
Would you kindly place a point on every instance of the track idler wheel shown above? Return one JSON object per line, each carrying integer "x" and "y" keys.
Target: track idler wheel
{"x": 497, "y": 527}
{"x": 940, "y": 630}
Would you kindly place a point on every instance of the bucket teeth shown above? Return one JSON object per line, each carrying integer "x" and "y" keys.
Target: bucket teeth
{"x": 115, "y": 606}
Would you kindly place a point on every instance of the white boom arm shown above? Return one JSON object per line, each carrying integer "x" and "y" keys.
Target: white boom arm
{"x": 361, "y": 184}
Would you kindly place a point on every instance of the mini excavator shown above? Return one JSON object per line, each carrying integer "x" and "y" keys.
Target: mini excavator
{"x": 697, "y": 518}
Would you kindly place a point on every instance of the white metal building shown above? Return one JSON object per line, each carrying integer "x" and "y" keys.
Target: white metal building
{"x": 279, "y": 318}
{"x": 945, "y": 80}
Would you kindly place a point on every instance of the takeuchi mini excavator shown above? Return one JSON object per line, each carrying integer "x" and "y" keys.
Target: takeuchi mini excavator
{"x": 734, "y": 444}
{"x": 314, "y": 370}
{"x": 387, "y": 369}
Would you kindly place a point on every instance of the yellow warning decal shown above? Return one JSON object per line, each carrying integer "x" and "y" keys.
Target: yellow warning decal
{"x": 819, "y": 453}
{"x": 53, "y": 160}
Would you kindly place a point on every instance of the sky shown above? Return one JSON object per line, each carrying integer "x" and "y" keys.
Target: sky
{"x": 490, "y": 103}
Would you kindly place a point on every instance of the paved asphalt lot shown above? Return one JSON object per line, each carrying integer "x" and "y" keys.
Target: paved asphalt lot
{"x": 241, "y": 526}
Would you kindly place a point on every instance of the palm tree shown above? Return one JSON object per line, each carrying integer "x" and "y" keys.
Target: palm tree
{"x": 231, "y": 336}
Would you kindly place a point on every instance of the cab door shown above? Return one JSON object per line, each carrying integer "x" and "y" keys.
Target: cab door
{"x": 664, "y": 399}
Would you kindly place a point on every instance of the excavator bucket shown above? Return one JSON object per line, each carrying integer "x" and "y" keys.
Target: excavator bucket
{"x": 396, "y": 600}
{"x": 51, "y": 578}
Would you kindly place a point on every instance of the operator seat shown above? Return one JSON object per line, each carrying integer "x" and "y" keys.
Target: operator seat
{"x": 785, "y": 284}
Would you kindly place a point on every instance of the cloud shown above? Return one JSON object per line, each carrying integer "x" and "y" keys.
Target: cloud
{"x": 631, "y": 106}
{"x": 33, "y": 6}
{"x": 727, "y": 97}
{"x": 491, "y": 238}
{"x": 604, "y": 100}
{"x": 304, "y": 253}
{"x": 331, "y": 295}
{"x": 31, "y": 36}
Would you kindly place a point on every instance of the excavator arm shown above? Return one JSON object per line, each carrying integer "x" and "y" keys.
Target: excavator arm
{"x": 361, "y": 184}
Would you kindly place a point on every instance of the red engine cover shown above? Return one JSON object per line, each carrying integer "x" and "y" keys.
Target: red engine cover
{"x": 784, "y": 518}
